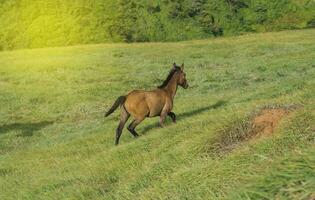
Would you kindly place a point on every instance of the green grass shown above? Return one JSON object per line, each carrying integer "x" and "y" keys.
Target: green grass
{"x": 56, "y": 144}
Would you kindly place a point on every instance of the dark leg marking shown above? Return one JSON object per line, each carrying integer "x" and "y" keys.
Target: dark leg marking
{"x": 133, "y": 125}
{"x": 123, "y": 119}
{"x": 173, "y": 116}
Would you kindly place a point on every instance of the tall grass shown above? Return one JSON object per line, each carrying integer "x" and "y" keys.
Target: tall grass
{"x": 55, "y": 143}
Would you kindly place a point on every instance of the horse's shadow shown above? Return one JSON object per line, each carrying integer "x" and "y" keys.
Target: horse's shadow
{"x": 26, "y": 129}
{"x": 188, "y": 114}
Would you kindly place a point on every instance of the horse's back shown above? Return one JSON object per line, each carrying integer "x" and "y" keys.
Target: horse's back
{"x": 140, "y": 103}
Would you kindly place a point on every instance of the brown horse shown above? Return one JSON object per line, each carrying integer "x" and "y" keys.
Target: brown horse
{"x": 141, "y": 104}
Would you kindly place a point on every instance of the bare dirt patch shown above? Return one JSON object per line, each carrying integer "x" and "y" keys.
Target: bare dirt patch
{"x": 265, "y": 122}
{"x": 258, "y": 124}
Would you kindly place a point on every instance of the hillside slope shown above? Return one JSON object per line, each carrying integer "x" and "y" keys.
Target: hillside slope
{"x": 56, "y": 144}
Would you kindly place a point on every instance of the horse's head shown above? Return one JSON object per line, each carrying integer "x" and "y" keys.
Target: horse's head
{"x": 182, "y": 81}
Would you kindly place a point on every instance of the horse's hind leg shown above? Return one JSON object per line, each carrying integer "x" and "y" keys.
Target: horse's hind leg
{"x": 123, "y": 119}
{"x": 133, "y": 125}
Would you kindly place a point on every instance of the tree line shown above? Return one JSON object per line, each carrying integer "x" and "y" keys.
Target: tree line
{"x": 36, "y": 23}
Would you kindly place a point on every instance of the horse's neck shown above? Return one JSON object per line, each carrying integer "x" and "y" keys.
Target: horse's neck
{"x": 171, "y": 87}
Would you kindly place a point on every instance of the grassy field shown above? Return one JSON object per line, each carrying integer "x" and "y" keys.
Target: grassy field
{"x": 56, "y": 144}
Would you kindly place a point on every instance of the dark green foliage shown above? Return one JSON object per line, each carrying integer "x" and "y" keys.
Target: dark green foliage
{"x": 311, "y": 23}
{"x": 29, "y": 24}
{"x": 124, "y": 24}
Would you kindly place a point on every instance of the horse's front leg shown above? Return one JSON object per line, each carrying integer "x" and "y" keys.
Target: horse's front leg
{"x": 173, "y": 116}
{"x": 162, "y": 118}
{"x": 165, "y": 111}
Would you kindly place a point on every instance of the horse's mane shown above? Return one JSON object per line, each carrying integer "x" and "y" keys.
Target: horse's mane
{"x": 169, "y": 76}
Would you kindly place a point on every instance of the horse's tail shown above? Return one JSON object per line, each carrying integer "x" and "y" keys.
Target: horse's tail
{"x": 119, "y": 101}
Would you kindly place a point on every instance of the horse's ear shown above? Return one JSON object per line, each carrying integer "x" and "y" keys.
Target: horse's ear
{"x": 182, "y": 67}
{"x": 174, "y": 65}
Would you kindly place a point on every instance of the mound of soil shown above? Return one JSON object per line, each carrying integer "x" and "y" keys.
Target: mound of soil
{"x": 265, "y": 122}
{"x": 261, "y": 124}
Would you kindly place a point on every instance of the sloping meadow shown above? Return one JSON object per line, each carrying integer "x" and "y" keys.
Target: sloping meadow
{"x": 245, "y": 126}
